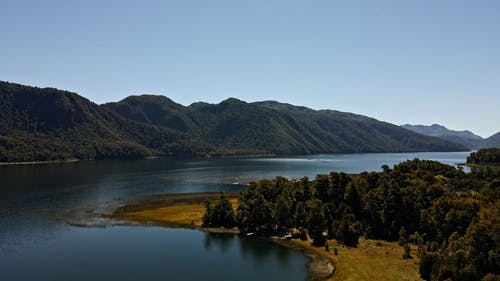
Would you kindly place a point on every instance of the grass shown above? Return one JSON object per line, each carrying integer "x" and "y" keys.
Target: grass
{"x": 371, "y": 260}
{"x": 182, "y": 210}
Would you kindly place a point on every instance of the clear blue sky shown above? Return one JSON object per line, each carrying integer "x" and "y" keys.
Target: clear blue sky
{"x": 418, "y": 62}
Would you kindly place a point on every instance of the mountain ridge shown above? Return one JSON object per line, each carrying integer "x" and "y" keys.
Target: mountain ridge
{"x": 465, "y": 137}
{"x": 490, "y": 142}
{"x": 39, "y": 124}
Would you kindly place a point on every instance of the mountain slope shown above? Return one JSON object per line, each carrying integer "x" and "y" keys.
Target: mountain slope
{"x": 465, "y": 138}
{"x": 234, "y": 126}
{"x": 154, "y": 110}
{"x": 48, "y": 124}
{"x": 356, "y": 133}
{"x": 492, "y": 141}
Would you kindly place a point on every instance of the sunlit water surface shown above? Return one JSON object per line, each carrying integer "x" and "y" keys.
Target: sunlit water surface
{"x": 36, "y": 245}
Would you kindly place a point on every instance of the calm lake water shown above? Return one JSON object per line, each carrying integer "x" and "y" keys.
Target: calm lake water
{"x": 36, "y": 245}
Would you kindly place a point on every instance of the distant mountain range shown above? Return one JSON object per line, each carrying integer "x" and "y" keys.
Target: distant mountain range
{"x": 48, "y": 124}
{"x": 465, "y": 138}
{"x": 492, "y": 141}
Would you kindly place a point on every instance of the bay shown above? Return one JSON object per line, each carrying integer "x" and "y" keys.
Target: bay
{"x": 36, "y": 244}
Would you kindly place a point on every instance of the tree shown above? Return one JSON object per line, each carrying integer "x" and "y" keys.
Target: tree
{"x": 385, "y": 168}
{"x": 300, "y": 215}
{"x": 317, "y": 223}
{"x": 403, "y": 238}
{"x": 407, "y": 251}
{"x": 426, "y": 264}
{"x": 284, "y": 214}
{"x": 352, "y": 198}
{"x": 207, "y": 217}
{"x": 221, "y": 215}
{"x": 261, "y": 214}
{"x": 347, "y": 233}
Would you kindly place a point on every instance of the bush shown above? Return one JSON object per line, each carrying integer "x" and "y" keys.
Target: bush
{"x": 303, "y": 234}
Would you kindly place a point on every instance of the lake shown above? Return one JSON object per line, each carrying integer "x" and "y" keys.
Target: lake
{"x": 36, "y": 244}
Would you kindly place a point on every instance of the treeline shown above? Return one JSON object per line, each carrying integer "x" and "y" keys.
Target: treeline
{"x": 485, "y": 156}
{"x": 452, "y": 216}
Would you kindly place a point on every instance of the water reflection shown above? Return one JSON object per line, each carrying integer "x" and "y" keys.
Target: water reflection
{"x": 218, "y": 241}
{"x": 256, "y": 250}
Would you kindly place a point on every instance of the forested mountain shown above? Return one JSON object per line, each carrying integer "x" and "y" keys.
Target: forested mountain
{"x": 48, "y": 124}
{"x": 493, "y": 141}
{"x": 155, "y": 110}
{"x": 272, "y": 127}
{"x": 465, "y": 138}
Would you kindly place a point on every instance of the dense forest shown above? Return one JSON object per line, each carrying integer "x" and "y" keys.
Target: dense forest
{"x": 485, "y": 156}
{"x": 235, "y": 126}
{"x": 39, "y": 124}
{"x": 452, "y": 216}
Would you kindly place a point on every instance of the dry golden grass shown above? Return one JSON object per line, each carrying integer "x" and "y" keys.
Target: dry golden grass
{"x": 369, "y": 261}
{"x": 182, "y": 215}
{"x": 178, "y": 214}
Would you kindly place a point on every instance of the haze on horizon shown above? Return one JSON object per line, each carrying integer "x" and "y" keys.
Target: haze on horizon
{"x": 417, "y": 62}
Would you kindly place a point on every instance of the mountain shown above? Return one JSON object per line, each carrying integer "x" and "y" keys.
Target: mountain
{"x": 465, "y": 138}
{"x": 492, "y": 141}
{"x": 49, "y": 124}
{"x": 155, "y": 110}
{"x": 39, "y": 124}
{"x": 235, "y": 126}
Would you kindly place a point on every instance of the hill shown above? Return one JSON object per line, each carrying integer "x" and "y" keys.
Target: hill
{"x": 465, "y": 138}
{"x": 39, "y": 124}
{"x": 48, "y": 124}
{"x": 235, "y": 126}
{"x": 492, "y": 141}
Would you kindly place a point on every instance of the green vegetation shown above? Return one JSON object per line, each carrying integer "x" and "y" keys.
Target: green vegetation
{"x": 49, "y": 124}
{"x": 452, "y": 217}
{"x": 237, "y": 127}
{"x": 485, "y": 156}
{"x": 220, "y": 215}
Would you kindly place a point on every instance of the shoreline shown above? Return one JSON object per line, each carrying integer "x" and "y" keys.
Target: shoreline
{"x": 474, "y": 165}
{"x": 185, "y": 210}
{"x": 39, "y": 162}
{"x": 216, "y": 156}
{"x": 155, "y": 211}
{"x": 320, "y": 267}
{"x": 154, "y": 157}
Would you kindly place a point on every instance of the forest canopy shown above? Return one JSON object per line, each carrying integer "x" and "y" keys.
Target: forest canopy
{"x": 485, "y": 156}
{"x": 452, "y": 216}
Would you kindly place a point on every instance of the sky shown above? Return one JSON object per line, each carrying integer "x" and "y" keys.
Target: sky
{"x": 417, "y": 62}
